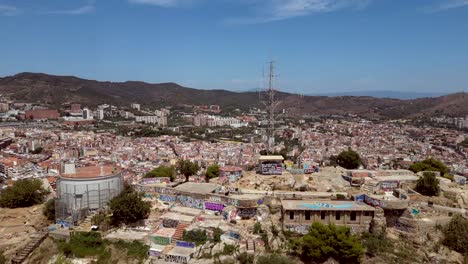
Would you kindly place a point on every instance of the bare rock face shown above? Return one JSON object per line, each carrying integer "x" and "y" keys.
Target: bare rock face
{"x": 379, "y": 223}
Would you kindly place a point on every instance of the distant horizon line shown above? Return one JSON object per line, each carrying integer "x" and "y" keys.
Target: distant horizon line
{"x": 371, "y": 92}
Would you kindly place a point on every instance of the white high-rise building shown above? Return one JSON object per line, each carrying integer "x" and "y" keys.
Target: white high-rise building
{"x": 100, "y": 114}
{"x": 87, "y": 114}
{"x": 135, "y": 106}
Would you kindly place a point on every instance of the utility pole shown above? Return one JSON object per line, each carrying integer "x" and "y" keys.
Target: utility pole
{"x": 270, "y": 106}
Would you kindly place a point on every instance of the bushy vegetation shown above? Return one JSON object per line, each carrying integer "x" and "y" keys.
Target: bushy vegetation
{"x": 229, "y": 249}
{"x": 23, "y": 193}
{"x": 128, "y": 207}
{"x": 246, "y": 258}
{"x": 328, "y": 241}
{"x": 349, "y": 159}
{"x": 212, "y": 171}
{"x": 83, "y": 244}
{"x": 196, "y": 236}
{"x": 134, "y": 249}
{"x": 430, "y": 164}
{"x": 428, "y": 184}
{"x": 49, "y": 210}
{"x": 217, "y": 232}
{"x": 162, "y": 172}
{"x": 273, "y": 259}
{"x": 187, "y": 168}
{"x": 376, "y": 244}
{"x": 455, "y": 234}
{"x": 91, "y": 244}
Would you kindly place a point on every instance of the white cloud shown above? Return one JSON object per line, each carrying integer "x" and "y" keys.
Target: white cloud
{"x": 274, "y": 10}
{"x": 7, "y": 10}
{"x": 448, "y": 4}
{"x": 270, "y": 10}
{"x": 86, "y": 9}
{"x": 163, "y": 3}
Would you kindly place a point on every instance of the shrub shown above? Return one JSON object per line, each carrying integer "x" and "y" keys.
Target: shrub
{"x": 340, "y": 196}
{"x": 83, "y": 244}
{"x": 449, "y": 176}
{"x": 129, "y": 207}
{"x": 274, "y": 231}
{"x": 257, "y": 228}
{"x": 49, "y": 210}
{"x": 212, "y": 171}
{"x": 245, "y": 258}
{"x": 134, "y": 249}
{"x": 23, "y": 193}
{"x": 217, "y": 232}
{"x": 162, "y": 172}
{"x": 229, "y": 249}
{"x": 273, "y": 259}
{"x": 428, "y": 184}
{"x": 455, "y": 234}
{"x": 325, "y": 241}
{"x": 429, "y": 165}
{"x": 349, "y": 159}
{"x": 376, "y": 244}
{"x": 196, "y": 236}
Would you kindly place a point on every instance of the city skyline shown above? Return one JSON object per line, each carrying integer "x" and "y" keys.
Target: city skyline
{"x": 320, "y": 45}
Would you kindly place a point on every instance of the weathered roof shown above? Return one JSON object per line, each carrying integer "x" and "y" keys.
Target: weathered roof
{"x": 326, "y": 205}
{"x": 195, "y": 187}
{"x": 271, "y": 157}
{"x": 165, "y": 232}
{"x": 181, "y": 251}
{"x": 186, "y": 210}
{"x": 178, "y": 217}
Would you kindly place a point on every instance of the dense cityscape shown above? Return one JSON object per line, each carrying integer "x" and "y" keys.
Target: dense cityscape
{"x": 85, "y": 157}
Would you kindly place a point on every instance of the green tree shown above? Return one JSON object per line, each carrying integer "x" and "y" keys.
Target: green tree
{"x": 325, "y": 241}
{"x": 212, "y": 171}
{"x": 349, "y": 159}
{"x": 428, "y": 184}
{"x": 430, "y": 164}
{"x": 246, "y": 258}
{"x": 217, "y": 233}
{"x": 129, "y": 207}
{"x": 23, "y": 193}
{"x": 455, "y": 234}
{"x": 273, "y": 259}
{"x": 187, "y": 168}
{"x": 162, "y": 172}
{"x": 49, "y": 210}
{"x": 196, "y": 236}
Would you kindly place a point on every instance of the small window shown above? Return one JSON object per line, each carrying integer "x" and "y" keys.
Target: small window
{"x": 366, "y": 213}
{"x": 291, "y": 215}
{"x": 322, "y": 215}
{"x": 307, "y": 215}
{"x": 338, "y": 216}
{"x": 353, "y": 216}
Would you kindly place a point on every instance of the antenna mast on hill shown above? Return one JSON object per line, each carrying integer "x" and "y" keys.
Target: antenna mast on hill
{"x": 270, "y": 106}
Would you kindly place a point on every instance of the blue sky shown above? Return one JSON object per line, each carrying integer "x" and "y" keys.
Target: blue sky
{"x": 320, "y": 46}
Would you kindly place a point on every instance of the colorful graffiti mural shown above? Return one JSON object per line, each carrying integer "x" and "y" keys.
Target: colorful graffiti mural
{"x": 214, "y": 206}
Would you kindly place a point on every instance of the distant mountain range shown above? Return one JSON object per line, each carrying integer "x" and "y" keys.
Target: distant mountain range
{"x": 384, "y": 94}
{"x": 58, "y": 90}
